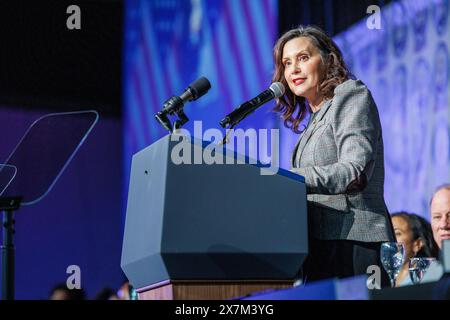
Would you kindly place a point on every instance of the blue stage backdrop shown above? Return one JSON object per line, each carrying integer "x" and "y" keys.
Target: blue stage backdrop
{"x": 406, "y": 66}
{"x": 169, "y": 44}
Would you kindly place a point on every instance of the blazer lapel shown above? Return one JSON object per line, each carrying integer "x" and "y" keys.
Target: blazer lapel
{"x": 294, "y": 153}
{"x": 323, "y": 110}
{"x": 308, "y": 133}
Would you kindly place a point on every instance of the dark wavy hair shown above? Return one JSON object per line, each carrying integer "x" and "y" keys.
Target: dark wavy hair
{"x": 335, "y": 74}
{"x": 420, "y": 228}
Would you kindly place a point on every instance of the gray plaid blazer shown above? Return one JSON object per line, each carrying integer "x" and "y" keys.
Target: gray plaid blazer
{"x": 340, "y": 154}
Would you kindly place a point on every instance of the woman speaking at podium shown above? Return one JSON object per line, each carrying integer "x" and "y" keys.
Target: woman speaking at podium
{"x": 340, "y": 154}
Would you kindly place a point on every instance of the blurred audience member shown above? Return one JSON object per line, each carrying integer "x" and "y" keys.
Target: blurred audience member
{"x": 61, "y": 292}
{"x": 417, "y": 237}
{"x": 124, "y": 291}
{"x": 440, "y": 214}
{"x": 127, "y": 292}
{"x": 106, "y": 294}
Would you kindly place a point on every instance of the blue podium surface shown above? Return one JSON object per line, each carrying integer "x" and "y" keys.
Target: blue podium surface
{"x": 331, "y": 289}
{"x": 355, "y": 289}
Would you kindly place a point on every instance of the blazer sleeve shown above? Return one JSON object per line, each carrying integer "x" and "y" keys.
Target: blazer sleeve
{"x": 357, "y": 131}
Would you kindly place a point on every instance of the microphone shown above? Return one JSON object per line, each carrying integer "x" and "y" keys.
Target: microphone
{"x": 176, "y": 103}
{"x": 196, "y": 89}
{"x": 275, "y": 90}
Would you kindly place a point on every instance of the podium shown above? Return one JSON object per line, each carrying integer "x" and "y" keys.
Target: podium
{"x": 210, "y": 231}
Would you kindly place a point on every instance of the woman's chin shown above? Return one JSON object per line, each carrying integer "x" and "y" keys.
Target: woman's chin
{"x": 300, "y": 93}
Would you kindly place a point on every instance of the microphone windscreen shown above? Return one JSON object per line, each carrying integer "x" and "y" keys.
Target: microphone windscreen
{"x": 277, "y": 88}
{"x": 199, "y": 87}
